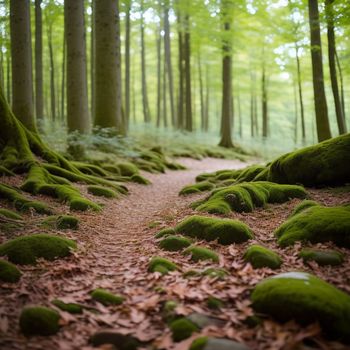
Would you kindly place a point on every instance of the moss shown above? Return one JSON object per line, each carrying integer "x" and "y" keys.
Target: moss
{"x": 82, "y": 204}
{"x": 25, "y": 250}
{"x": 182, "y": 329}
{"x": 226, "y": 231}
{"x": 317, "y": 224}
{"x": 162, "y": 265}
{"x": 260, "y": 256}
{"x": 111, "y": 168}
{"x": 198, "y": 187}
{"x": 106, "y": 298}
{"x": 213, "y": 206}
{"x": 9, "y": 272}
{"x": 201, "y": 253}
{"x": 39, "y": 320}
{"x": 5, "y": 172}
{"x": 249, "y": 173}
{"x": 72, "y": 308}
{"x": 140, "y": 180}
{"x": 90, "y": 169}
{"x": 227, "y": 174}
{"x": 322, "y": 257}
{"x": 10, "y": 214}
{"x": 191, "y": 273}
{"x": 101, "y": 191}
{"x": 204, "y": 177}
{"x": 306, "y": 299}
{"x": 61, "y": 222}
{"x": 168, "y": 311}
{"x": 319, "y": 165}
{"x": 215, "y": 273}
{"x": 199, "y": 343}
{"x": 165, "y": 232}
{"x": 214, "y": 303}
{"x": 174, "y": 243}
{"x": 127, "y": 168}
{"x": 306, "y": 204}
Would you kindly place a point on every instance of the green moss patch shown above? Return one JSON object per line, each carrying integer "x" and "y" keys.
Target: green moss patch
{"x": 198, "y": 187}
{"x": 317, "y": 224}
{"x": 209, "y": 343}
{"x": 140, "y": 179}
{"x": 61, "y": 222}
{"x": 182, "y": 329}
{"x": 39, "y": 320}
{"x": 127, "y": 169}
{"x": 162, "y": 265}
{"x": 259, "y": 256}
{"x": 165, "y": 232}
{"x": 106, "y": 298}
{"x": 8, "y": 272}
{"x": 72, "y": 308}
{"x": 25, "y": 250}
{"x": 249, "y": 173}
{"x": 174, "y": 243}
{"x": 214, "y": 303}
{"x": 322, "y": 257}
{"x": 306, "y": 204}
{"x": 101, "y": 191}
{"x": 215, "y": 272}
{"x": 306, "y": 299}
{"x": 201, "y": 253}
{"x": 226, "y": 231}
{"x": 10, "y": 214}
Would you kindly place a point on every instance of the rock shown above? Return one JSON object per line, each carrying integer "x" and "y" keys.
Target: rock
{"x": 182, "y": 328}
{"x": 259, "y": 256}
{"x": 201, "y": 253}
{"x": 120, "y": 341}
{"x": 8, "y": 272}
{"x": 322, "y": 257}
{"x": 162, "y": 265}
{"x": 209, "y": 343}
{"x": 174, "y": 243}
{"x": 106, "y": 298}
{"x": 202, "y": 321}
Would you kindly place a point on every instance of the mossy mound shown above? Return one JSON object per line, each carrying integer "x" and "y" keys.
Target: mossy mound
{"x": 162, "y": 265}
{"x": 182, "y": 329}
{"x": 8, "y": 272}
{"x": 306, "y": 204}
{"x": 317, "y": 224}
{"x": 306, "y": 299}
{"x": 174, "y": 243}
{"x": 114, "y": 339}
{"x": 101, "y": 191}
{"x": 324, "y": 164}
{"x": 249, "y": 173}
{"x": 209, "y": 343}
{"x": 39, "y": 320}
{"x": 259, "y": 256}
{"x": 169, "y": 311}
{"x": 226, "y": 231}
{"x": 61, "y": 222}
{"x": 72, "y": 308}
{"x": 214, "y": 303}
{"x": 215, "y": 273}
{"x": 322, "y": 257}
{"x": 165, "y": 232}
{"x": 25, "y": 250}
{"x": 140, "y": 179}
{"x": 127, "y": 168}
{"x": 198, "y": 187}
{"x": 244, "y": 197}
{"x": 106, "y": 298}
{"x": 201, "y": 253}
{"x": 10, "y": 214}
{"x": 82, "y": 204}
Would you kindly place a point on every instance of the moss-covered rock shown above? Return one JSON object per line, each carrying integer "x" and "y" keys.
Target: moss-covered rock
{"x": 198, "y": 187}
{"x": 140, "y": 179}
{"x": 8, "y": 272}
{"x": 162, "y": 265}
{"x": 72, "y": 308}
{"x": 10, "y": 214}
{"x": 82, "y": 204}
{"x": 317, "y": 224}
{"x": 101, "y": 191}
{"x": 182, "y": 329}
{"x": 117, "y": 340}
{"x": 249, "y": 173}
{"x": 215, "y": 272}
{"x": 322, "y": 257}
{"x": 25, "y": 250}
{"x": 201, "y": 253}
{"x": 259, "y": 256}
{"x": 169, "y": 310}
{"x": 174, "y": 243}
{"x": 226, "y": 231}
{"x": 127, "y": 169}
{"x": 209, "y": 343}
{"x": 39, "y": 320}
{"x": 306, "y": 299}
{"x": 214, "y": 303}
{"x": 106, "y": 298}
{"x": 306, "y": 204}
{"x": 165, "y": 232}
{"x": 61, "y": 222}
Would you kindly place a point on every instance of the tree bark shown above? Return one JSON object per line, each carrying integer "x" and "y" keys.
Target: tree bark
{"x": 300, "y": 91}
{"x": 341, "y": 84}
{"x": 322, "y": 122}
{"x": 127, "y": 62}
{"x": 188, "y": 81}
{"x": 92, "y": 59}
{"x": 207, "y": 99}
{"x": 201, "y": 92}
{"x": 21, "y": 52}
{"x": 159, "y": 75}
{"x": 63, "y": 80}
{"x": 52, "y": 75}
{"x": 181, "y": 92}
{"x": 264, "y": 109}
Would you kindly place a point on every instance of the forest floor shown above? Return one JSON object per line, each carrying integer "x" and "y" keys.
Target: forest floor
{"x": 115, "y": 247}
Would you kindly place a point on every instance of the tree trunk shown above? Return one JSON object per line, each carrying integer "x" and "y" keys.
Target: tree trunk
{"x": 322, "y": 122}
{"x": 127, "y": 63}
{"x": 201, "y": 92}
{"x": 52, "y": 75}
{"x": 188, "y": 88}
{"x": 181, "y": 97}
{"x": 264, "y": 108}
{"x": 63, "y": 80}
{"x": 92, "y": 59}
{"x": 295, "y": 113}
{"x": 159, "y": 75}
{"x": 332, "y": 66}
{"x": 21, "y": 52}
{"x": 207, "y": 99}
{"x": 78, "y": 118}
{"x": 301, "y": 102}
{"x": 239, "y": 111}
{"x": 8, "y": 75}
{"x": 341, "y": 84}
{"x": 108, "y": 112}
{"x": 165, "y": 110}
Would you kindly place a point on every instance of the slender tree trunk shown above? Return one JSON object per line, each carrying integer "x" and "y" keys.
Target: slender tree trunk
{"x": 264, "y": 108}
{"x": 181, "y": 97}
{"x": 8, "y": 76}
{"x": 239, "y": 111}
{"x": 201, "y": 92}
{"x": 2, "y": 80}
{"x": 295, "y": 113}
{"x": 63, "y": 80}
{"x": 252, "y": 128}
{"x": 322, "y": 122}
{"x": 120, "y": 110}
{"x": 133, "y": 84}
{"x": 127, "y": 62}
{"x": 108, "y": 111}
{"x": 77, "y": 97}
{"x": 188, "y": 81}
{"x": 341, "y": 84}
{"x": 300, "y": 91}
{"x": 165, "y": 109}
{"x": 207, "y": 99}
{"x": 159, "y": 75}
{"x": 21, "y": 53}
{"x": 92, "y": 59}
{"x": 52, "y": 75}
{"x": 332, "y": 66}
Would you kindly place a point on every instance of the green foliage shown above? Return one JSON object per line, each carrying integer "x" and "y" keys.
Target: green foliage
{"x": 174, "y": 243}
{"x": 5, "y": 172}
{"x": 260, "y": 256}
{"x": 306, "y": 299}
{"x": 72, "y": 308}
{"x": 201, "y": 253}
{"x": 140, "y": 179}
{"x": 39, "y": 320}
{"x": 162, "y": 265}
{"x": 322, "y": 257}
{"x": 25, "y": 250}
{"x": 198, "y": 187}
{"x": 165, "y": 232}
{"x": 10, "y": 214}
{"x": 9, "y": 272}
{"x": 199, "y": 343}
{"x": 306, "y": 204}
{"x": 61, "y": 222}
{"x": 106, "y": 298}
{"x": 182, "y": 329}
{"x": 101, "y": 191}
{"x": 215, "y": 272}
{"x": 226, "y": 231}
{"x": 317, "y": 224}
{"x": 127, "y": 168}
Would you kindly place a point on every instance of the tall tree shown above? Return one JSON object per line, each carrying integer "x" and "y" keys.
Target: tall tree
{"x": 52, "y": 73}
{"x": 108, "y": 111}
{"x": 264, "y": 108}
{"x": 21, "y": 53}
{"x": 322, "y": 122}
{"x": 300, "y": 91}
{"x": 332, "y": 66}
{"x": 226, "y": 110}
{"x": 188, "y": 80}
{"x": 181, "y": 68}
{"x": 77, "y": 98}
{"x": 127, "y": 61}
